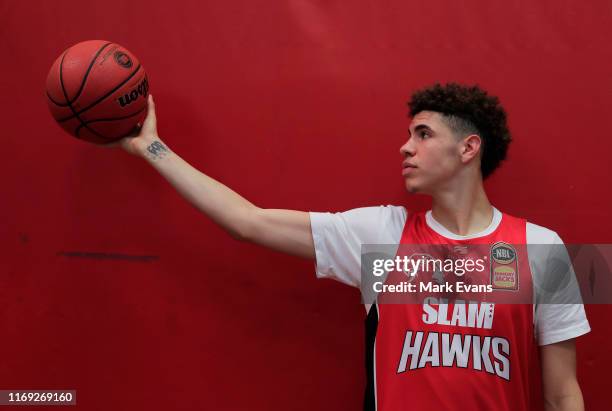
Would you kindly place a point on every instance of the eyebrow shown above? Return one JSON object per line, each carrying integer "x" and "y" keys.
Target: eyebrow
{"x": 421, "y": 127}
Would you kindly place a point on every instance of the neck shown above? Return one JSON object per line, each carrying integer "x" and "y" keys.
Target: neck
{"x": 463, "y": 209}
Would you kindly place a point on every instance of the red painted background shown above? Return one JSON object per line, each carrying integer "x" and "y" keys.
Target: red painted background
{"x": 294, "y": 104}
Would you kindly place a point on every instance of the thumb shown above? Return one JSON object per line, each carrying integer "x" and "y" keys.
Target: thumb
{"x": 150, "y": 123}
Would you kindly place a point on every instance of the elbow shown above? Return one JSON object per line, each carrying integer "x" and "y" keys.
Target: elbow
{"x": 243, "y": 227}
{"x": 238, "y": 235}
{"x": 564, "y": 404}
{"x": 569, "y": 401}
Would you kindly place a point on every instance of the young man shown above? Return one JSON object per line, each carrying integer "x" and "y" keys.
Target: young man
{"x": 418, "y": 358}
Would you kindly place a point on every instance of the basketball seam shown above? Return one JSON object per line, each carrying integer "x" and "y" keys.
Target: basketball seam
{"x": 103, "y": 97}
{"x": 84, "y": 79}
{"x": 88, "y": 70}
{"x": 70, "y": 104}
{"x": 55, "y": 102}
{"x": 111, "y": 119}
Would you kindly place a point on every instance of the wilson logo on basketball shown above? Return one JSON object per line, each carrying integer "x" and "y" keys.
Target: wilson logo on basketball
{"x": 140, "y": 90}
{"x": 123, "y": 59}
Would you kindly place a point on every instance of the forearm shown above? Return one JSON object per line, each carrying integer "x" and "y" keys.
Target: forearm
{"x": 224, "y": 206}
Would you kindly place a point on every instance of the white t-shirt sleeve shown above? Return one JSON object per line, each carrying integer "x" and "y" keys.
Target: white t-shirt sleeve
{"x": 559, "y": 312}
{"x": 338, "y": 238}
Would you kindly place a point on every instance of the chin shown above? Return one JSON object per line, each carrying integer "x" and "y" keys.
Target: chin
{"x": 411, "y": 188}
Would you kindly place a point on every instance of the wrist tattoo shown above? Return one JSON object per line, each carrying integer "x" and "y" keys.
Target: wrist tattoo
{"x": 156, "y": 150}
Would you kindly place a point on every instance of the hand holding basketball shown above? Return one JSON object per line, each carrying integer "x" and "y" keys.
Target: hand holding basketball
{"x": 141, "y": 137}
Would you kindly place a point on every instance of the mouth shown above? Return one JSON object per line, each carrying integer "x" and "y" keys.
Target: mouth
{"x": 407, "y": 168}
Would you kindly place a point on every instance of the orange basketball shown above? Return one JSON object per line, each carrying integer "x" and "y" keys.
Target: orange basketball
{"x": 97, "y": 91}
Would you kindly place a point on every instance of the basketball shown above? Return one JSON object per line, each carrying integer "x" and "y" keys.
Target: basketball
{"x": 97, "y": 91}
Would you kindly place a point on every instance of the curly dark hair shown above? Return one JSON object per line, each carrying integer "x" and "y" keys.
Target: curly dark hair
{"x": 468, "y": 110}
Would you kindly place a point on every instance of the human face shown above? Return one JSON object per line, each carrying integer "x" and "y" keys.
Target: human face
{"x": 432, "y": 154}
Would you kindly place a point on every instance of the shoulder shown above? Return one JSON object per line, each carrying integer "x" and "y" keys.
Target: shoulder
{"x": 368, "y": 222}
{"x": 537, "y": 234}
{"x": 339, "y": 236}
{"x": 544, "y": 246}
{"x": 382, "y": 213}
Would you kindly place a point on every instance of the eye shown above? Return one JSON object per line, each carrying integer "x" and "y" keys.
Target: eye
{"x": 423, "y": 134}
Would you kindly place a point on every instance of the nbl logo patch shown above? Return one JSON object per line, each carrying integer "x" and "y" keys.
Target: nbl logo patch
{"x": 504, "y": 267}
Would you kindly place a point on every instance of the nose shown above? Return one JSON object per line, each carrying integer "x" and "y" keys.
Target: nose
{"x": 407, "y": 150}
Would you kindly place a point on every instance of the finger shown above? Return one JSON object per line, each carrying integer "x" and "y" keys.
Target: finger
{"x": 151, "y": 117}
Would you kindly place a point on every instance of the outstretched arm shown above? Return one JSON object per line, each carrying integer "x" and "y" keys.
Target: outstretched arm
{"x": 283, "y": 230}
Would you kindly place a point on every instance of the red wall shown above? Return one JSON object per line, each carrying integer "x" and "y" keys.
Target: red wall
{"x": 294, "y": 104}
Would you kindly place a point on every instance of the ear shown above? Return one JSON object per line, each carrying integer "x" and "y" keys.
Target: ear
{"x": 470, "y": 147}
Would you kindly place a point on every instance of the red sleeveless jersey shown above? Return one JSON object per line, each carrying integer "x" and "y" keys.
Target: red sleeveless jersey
{"x": 450, "y": 355}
